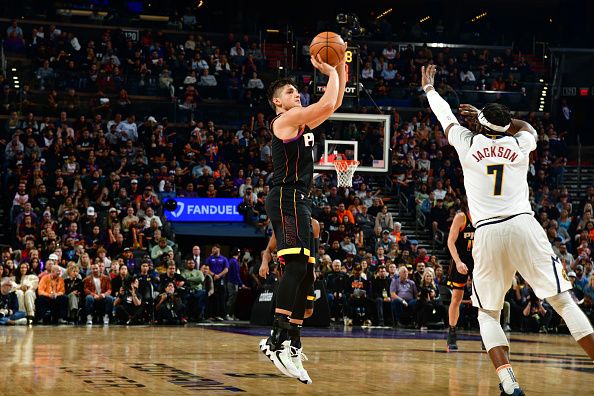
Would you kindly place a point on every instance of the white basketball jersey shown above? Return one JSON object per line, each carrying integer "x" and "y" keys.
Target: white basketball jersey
{"x": 495, "y": 172}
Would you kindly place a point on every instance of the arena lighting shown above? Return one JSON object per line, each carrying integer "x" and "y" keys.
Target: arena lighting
{"x": 15, "y": 78}
{"x": 272, "y": 31}
{"x": 200, "y": 4}
{"x": 545, "y": 88}
{"x": 425, "y": 19}
{"x": 541, "y": 80}
{"x": 383, "y": 14}
{"x": 479, "y": 16}
{"x": 584, "y": 91}
{"x": 17, "y": 86}
{"x": 544, "y": 93}
{"x": 13, "y": 69}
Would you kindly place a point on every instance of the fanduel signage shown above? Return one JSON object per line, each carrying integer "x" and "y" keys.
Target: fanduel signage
{"x": 206, "y": 210}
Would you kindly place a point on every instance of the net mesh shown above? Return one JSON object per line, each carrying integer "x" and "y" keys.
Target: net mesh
{"x": 345, "y": 169}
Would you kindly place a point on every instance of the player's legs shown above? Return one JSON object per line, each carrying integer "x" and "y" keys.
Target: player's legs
{"x": 492, "y": 277}
{"x": 545, "y": 274}
{"x": 454, "y": 309}
{"x": 457, "y": 282}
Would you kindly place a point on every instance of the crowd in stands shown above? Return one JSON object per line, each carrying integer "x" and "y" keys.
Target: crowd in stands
{"x": 84, "y": 191}
{"x": 392, "y": 71}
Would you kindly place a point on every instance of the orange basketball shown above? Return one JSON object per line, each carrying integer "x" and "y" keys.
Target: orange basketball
{"x": 330, "y": 46}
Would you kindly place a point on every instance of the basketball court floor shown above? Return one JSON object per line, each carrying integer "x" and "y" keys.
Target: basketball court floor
{"x": 211, "y": 360}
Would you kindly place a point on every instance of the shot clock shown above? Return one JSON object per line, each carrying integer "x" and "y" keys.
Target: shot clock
{"x": 352, "y": 85}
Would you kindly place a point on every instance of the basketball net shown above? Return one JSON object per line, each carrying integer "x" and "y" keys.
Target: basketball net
{"x": 345, "y": 169}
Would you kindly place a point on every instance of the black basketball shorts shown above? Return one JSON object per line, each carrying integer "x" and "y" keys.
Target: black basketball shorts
{"x": 289, "y": 210}
{"x": 456, "y": 280}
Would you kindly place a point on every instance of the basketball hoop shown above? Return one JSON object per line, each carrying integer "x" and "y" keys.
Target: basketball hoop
{"x": 345, "y": 169}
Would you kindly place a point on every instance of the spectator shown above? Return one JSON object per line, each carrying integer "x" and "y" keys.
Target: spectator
{"x": 128, "y": 305}
{"x": 98, "y": 298}
{"x": 9, "y": 305}
{"x": 73, "y": 289}
{"x": 195, "y": 280}
{"x": 234, "y": 283}
{"x": 169, "y": 306}
{"x": 51, "y": 301}
{"x": 380, "y": 285}
{"x": 219, "y": 267}
{"x": 336, "y": 284}
{"x": 26, "y": 283}
{"x": 403, "y": 293}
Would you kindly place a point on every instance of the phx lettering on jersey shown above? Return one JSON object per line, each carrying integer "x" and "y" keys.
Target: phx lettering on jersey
{"x": 494, "y": 151}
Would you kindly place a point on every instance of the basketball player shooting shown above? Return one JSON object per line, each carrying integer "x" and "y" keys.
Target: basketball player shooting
{"x": 508, "y": 238}
{"x": 289, "y": 207}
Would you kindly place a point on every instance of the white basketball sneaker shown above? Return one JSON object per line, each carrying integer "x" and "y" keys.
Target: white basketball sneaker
{"x": 281, "y": 358}
{"x": 298, "y": 357}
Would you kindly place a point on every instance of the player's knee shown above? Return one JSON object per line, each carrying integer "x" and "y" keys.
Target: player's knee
{"x": 491, "y": 331}
{"x": 308, "y": 313}
{"x": 574, "y": 317}
{"x": 456, "y": 298}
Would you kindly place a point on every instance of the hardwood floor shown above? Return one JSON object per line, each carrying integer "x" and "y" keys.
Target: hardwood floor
{"x": 214, "y": 360}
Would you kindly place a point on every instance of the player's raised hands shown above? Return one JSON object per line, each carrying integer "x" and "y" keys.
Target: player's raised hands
{"x": 323, "y": 67}
{"x": 428, "y": 75}
{"x": 468, "y": 110}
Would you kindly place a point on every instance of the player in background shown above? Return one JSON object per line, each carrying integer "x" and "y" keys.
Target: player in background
{"x": 507, "y": 238}
{"x": 460, "y": 241}
{"x": 289, "y": 207}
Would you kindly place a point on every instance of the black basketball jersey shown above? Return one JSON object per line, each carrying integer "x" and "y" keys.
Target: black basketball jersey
{"x": 292, "y": 159}
{"x": 465, "y": 240}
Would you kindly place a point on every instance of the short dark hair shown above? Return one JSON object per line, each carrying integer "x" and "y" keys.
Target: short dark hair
{"x": 497, "y": 114}
{"x": 276, "y": 86}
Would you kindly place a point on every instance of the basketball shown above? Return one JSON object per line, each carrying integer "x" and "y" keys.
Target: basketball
{"x": 330, "y": 46}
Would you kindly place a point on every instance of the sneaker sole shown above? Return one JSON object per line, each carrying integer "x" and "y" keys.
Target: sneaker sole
{"x": 269, "y": 354}
{"x": 452, "y": 348}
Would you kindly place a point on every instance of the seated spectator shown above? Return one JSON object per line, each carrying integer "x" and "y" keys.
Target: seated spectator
{"x": 98, "y": 298}
{"x": 9, "y": 305}
{"x": 25, "y": 288}
{"x": 52, "y": 304}
{"x": 162, "y": 248}
{"x": 128, "y": 304}
{"x": 403, "y": 293}
{"x": 380, "y": 286}
{"x": 75, "y": 291}
{"x": 429, "y": 307}
{"x": 207, "y": 80}
{"x": 336, "y": 284}
{"x": 358, "y": 292}
{"x": 169, "y": 306}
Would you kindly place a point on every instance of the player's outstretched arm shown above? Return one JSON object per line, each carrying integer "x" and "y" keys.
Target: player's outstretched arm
{"x": 342, "y": 78}
{"x": 285, "y": 125}
{"x": 438, "y": 105}
{"x": 454, "y": 232}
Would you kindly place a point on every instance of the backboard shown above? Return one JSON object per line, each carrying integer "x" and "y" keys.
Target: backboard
{"x": 353, "y": 136}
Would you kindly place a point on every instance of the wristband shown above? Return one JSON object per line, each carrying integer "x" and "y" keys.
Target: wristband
{"x": 426, "y": 86}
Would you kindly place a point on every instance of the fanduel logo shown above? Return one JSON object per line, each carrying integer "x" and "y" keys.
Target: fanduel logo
{"x": 206, "y": 210}
{"x": 180, "y": 209}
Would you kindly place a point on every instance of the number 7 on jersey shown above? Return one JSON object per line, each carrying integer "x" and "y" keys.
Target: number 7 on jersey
{"x": 496, "y": 170}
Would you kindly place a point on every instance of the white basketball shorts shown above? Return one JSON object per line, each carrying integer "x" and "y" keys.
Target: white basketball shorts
{"x": 502, "y": 247}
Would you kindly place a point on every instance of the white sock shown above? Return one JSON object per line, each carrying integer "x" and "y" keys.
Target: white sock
{"x": 507, "y": 378}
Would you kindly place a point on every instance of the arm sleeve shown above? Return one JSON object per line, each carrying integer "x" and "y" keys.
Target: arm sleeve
{"x": 441, "y": 109}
